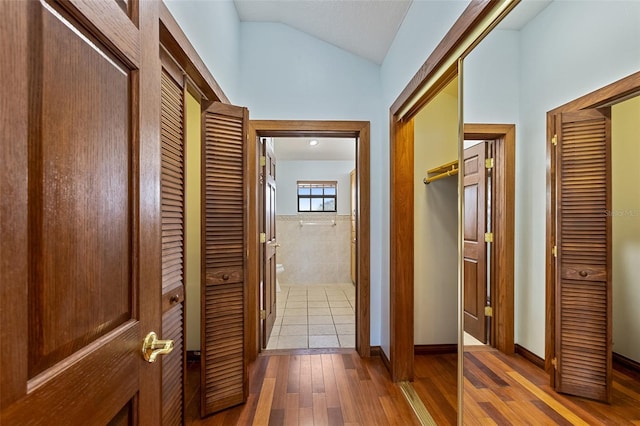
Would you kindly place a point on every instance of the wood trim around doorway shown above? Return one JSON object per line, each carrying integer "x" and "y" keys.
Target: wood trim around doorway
{"x": 503, "y": 217}
{"x": 611, "y": 94}
{"x": 401, "y": 285}
{"x": 286, "y": 128}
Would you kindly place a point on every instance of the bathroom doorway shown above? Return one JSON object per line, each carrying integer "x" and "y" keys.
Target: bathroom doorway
{"x": 307, "y": 220}
{"x": 308, "y": 292}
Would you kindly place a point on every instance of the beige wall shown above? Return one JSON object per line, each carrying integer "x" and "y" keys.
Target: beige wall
{"x": 626, "y": 228}
{"x": 314, "y": 254}
{"x": 192, "y": 209}
{"x": 436, "y": 222}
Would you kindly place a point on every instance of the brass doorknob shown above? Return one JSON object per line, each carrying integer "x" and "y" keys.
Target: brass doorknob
{"x": 152, "y": 347}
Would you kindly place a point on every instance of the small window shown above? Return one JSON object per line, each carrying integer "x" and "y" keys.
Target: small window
{"x": 314, "y": 196}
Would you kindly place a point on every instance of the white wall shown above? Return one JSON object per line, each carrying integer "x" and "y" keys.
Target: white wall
{"x": 287, "y": 74}
{"x": 425, "y": 24}
{"x": 491, "y": 80}
{"x": 560, "y": 58}
{"x": 213, "y": 28}
{"x": 290, "y": 172}
{"x": 625, "y": 152}
{"x": 436, "y": 224}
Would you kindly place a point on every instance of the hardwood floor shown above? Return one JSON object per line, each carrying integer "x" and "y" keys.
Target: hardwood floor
{"x": 339, "y": 388}
{"x": 509, "y": 390}
{"x": 311, "y": 388}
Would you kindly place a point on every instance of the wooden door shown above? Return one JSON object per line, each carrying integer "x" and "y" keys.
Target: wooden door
{"x": 173, "y": 248}
{"x": 269, "y": 288}
{"x": 80, "y": 212}
{"x": 224, "y": 381}
{"x": 583, "y": 237}
{"x": 353, "y": 193}
{"x": 475, "y": 267}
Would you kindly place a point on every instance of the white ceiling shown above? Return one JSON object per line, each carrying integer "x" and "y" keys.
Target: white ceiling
{"x": 336, "y": 149}
{"x": 363, "y": 27}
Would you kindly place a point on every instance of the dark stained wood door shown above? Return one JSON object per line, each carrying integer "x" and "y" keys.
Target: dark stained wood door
{"x": 475, "y": 267}
{"x": 80, "y": 195}
{"x": 269, "y": 289}
{"x": 353, "y": 208}
{"x": 224, "y": 293}
{"x": 583, "y": 272}
{"x": 173, "y": 239}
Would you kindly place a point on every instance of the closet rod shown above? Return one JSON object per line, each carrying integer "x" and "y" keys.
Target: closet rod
{"x": 448, "y": 173}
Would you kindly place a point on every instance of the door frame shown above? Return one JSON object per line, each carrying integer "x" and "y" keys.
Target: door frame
{"x": 616, "y": 92}
{"x": 291, "y": 128}
{"x": 503, "y": 220}
{"x": 440, "y": 68}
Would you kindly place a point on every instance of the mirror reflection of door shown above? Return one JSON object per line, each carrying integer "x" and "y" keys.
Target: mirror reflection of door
{"x": 476, "y": 213}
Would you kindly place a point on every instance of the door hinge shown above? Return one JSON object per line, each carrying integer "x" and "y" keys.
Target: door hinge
{"x": 554, "y": 362}
{"x": 263, "y": 314}
{"x": 554, "y": 140}
{"x": 488, "y": 237}
{"x": 488, "y": 311}
{"x": 263, "y": 237}
{"x": 263, "y": 161}
{"x": 554, "y": 251}
{"x": 488, "y": 163}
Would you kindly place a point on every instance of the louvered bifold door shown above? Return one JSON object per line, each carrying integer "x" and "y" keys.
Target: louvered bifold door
{"x": 583, "y": 233}
{"x": 172, "y": 185}
{"x": 224, "y": 366}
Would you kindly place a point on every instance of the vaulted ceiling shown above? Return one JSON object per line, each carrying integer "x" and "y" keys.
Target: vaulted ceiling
{"x": 363, "y": 27}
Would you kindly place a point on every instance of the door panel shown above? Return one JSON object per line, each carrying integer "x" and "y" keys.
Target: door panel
{"x": 173, "y": 261}
{"x": 583, "y": 281}
{"x": 224, "y": 380}
{"x": 269, "y": 297}
{"x": 475, "y": 267}
{"x": 353, "y": 208}
{"x": 80, "y": 302}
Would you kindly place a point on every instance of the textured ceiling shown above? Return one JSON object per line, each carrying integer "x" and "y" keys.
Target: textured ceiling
{"x": 363, "y": 27}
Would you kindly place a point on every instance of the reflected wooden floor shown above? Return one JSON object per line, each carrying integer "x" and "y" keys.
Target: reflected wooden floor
{"x": 507, "y": 390}
{"x": 436, "y": 383}
{"x": 310, "y": 389}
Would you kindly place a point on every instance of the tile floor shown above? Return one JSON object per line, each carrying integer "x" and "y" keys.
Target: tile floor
{"x": 314, "y": 316}
{"x": 469, "y": 340}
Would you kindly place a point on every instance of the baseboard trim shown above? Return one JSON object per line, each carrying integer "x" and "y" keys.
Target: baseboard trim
{"x": 529, "y": 356}
{"x": 628, "y": 363}
{"x": 377, "y": 351}
{"x": 440, "y": 349}
{"x": 193, "y": 355}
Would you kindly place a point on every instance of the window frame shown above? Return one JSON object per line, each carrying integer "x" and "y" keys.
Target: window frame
{"x": 324, "y": 184}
